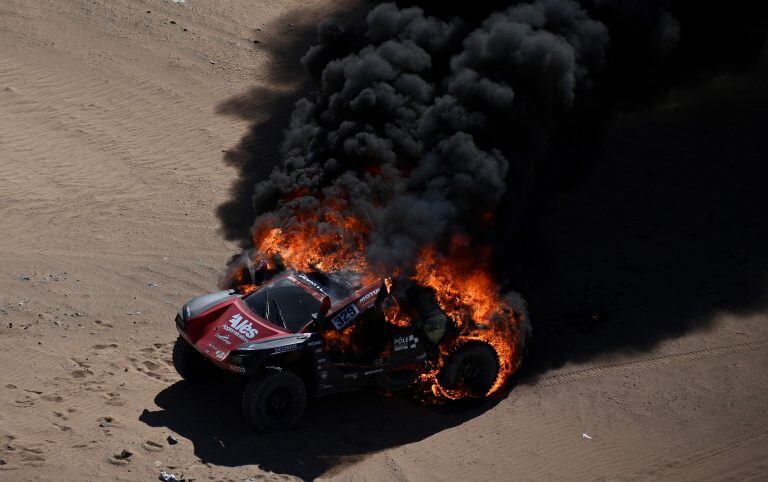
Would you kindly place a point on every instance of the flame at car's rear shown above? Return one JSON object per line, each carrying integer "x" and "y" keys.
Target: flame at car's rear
{"x": 460, "y": 278}
{"x": 467, "y": 294}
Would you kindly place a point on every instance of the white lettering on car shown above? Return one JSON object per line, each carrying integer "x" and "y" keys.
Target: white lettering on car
{"x": 345, "y": 316}
{"x": 281, "y": 349}
{"x": 241, "y": 328}
{"x": 313, "y": 284}
{"x": 370, "y": 295}
{"x": 405, "y": 342}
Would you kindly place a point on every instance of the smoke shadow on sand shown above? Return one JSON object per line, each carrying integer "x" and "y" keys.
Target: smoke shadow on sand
{"x": 335, "y": 431}
{"x": 666, "y": 233}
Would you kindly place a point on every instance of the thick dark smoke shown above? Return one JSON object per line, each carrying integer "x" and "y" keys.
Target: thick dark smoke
{"x": 417, "y": 130}
{"x": 430, "y": 119}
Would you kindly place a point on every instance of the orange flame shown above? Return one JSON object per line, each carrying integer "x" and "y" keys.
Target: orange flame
{"x": 467, "y": 294}
{"x": 323, "y": 238}
{"x": 328, "y": 238}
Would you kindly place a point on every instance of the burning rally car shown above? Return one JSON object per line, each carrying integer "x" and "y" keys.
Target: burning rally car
{"x": 296, "y": 334}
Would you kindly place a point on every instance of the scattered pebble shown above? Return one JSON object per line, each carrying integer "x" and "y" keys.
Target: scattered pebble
{"x": 586, "y": 436}
{"x": 167, "y": 477}
{"x": 152, "y": 285}
{"x": 173, "y": 22}
{"x": 106, "y": 423}
{"x": 24, "y": 277}
{"x": 123, "y": 455}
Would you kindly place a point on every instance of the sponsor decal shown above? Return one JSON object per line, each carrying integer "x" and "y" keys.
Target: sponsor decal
{"x": 281, "y": 349}
{"x": 241, "y": 328}
{"x": 312, "y": 284}
{"x": 345, "y": 317}
{"x": 370, "y": 295}
{"x": 236, "y": 368}
{"x": 315, "y": 343}
{"x": 371, "y": 372}
{"x": 224, "y": 338}
{"x": 422, "y": 356}
{"x": 353, "y": 376}
{"x": 323, "y": 375}
{"x": 216, "y": 353}
{"x": 318, "y": 350}
{"x": 405, "y": 342}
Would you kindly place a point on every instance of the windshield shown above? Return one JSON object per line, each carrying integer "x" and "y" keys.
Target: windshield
{"x": 284, "y": 304}
{"x": 333, "y": 285}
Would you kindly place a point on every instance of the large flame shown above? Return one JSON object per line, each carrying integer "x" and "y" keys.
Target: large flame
{"x": 468, "y": 295}
{"x": 328, "y": 238}
{"x": 323, "y": 237}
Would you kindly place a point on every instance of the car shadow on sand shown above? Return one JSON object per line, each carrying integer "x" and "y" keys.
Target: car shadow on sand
{"x": 335, "y": 430}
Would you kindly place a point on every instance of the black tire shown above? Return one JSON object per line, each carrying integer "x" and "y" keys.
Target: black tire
{"x": 189, "y": 363}
{"x": 474, "y": 367}
{"x": 274, "y": 399}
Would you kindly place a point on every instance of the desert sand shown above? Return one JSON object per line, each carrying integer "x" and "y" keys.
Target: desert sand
{"x": 112, "y": 139}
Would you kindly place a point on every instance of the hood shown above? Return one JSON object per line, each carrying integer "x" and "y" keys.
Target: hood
{"x": 226, "y": 326}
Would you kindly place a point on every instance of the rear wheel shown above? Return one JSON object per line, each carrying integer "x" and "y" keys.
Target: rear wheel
{"x": 473, "y": 367}
{"x": 188, "y": 362}
{"x": 274, "y": 399}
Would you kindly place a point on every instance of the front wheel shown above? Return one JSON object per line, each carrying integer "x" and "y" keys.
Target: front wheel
{"x": 473, "y": 367}
{"x": 188, "y": 362}
{"x": 274, "y": 399}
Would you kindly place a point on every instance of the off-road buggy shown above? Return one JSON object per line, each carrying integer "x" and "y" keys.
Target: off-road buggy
{"x": 315, "y": 333}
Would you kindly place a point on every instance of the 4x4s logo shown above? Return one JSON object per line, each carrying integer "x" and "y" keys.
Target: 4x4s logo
{"x": 241, "y": 328}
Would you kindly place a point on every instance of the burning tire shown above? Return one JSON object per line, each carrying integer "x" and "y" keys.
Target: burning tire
{"x": 473, "y": 367}
{"x": 189, "y": 363}
{"x": 274, "y": 399}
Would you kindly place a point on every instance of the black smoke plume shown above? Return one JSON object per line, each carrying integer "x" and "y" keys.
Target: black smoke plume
{"x": 417, "y": 129}
{"x": 429, "y": 118}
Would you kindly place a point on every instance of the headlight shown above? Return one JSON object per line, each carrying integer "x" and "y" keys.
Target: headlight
{"x": 181, "y": 319}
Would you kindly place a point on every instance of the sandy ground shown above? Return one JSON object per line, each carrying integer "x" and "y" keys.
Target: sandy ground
{"x": 111, "y": 173}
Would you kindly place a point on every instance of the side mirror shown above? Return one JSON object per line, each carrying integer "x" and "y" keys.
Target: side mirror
{"x": 325, "y": 306}
{"x": 383, "y": 293}
{"x": 253, "y": 274}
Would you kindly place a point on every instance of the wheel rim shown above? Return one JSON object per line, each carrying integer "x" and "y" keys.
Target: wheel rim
{"x": 279, "y": 402}
{"x": 470, "y": 369}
